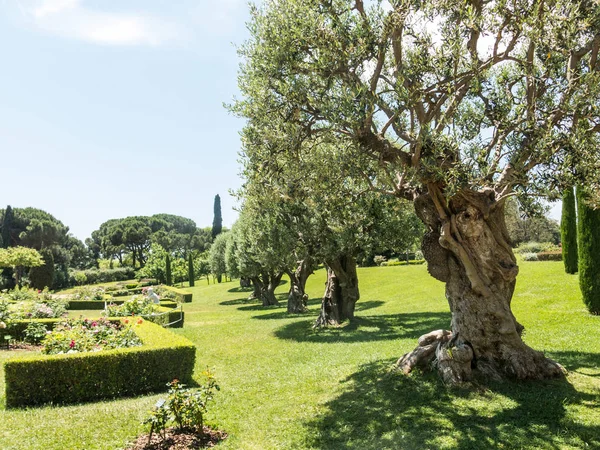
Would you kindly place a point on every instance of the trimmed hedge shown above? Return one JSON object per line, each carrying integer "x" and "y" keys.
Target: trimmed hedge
{"x": 94, "y": 276}
{"x": 17, "y": 327}
{"x": 168, "y": 316}
{"x": 402, "y": 263}
{"x": 182, "y": 295}
{"x": 550, "y": 256}
{"x": 91, "y": 304}
{"x": 79, "y": 377}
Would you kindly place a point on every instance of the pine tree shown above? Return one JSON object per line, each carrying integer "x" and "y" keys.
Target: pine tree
{"x": 568, "y": 231}
{"x": 6, "y": 226}
{"x": 191, "y": 270}
{"x": 217, "y": 226}
{"x": 43, "y": 276}
{"x": 168, "y": 275}
{"x": 588, "y": 231}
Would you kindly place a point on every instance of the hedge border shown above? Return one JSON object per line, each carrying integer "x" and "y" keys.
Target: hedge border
{"x": 183, "y": 295}
{"x": 79, "y": 377}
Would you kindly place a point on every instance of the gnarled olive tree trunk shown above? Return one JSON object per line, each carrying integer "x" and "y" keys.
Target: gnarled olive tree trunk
{"x": 270, "y": 281}
{"x": 258, "y": 287}
{"x": 297, "y": 297}
{"x": 467, "y": 247}
{"x": 341, "y": 292}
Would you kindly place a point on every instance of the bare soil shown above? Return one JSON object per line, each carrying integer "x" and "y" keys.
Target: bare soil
{"x": 179, "y": 440}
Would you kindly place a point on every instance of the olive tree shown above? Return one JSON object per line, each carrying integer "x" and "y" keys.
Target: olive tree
{"x": 460, "y": 107}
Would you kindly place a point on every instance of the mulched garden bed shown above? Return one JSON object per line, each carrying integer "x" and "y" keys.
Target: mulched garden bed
{"x": 179, "y": 440}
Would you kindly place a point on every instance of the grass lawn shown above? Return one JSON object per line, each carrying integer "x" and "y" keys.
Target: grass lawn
{"x": 285, "y": 386}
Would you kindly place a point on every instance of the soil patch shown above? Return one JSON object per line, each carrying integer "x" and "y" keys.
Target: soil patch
{"x": 179, "y": 440}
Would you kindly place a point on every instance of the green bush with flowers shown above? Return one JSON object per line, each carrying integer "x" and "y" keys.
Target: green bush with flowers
{"x": 87, "y": 335}
{"x": 135, "y": 306}
{"x": 35, "y": 379}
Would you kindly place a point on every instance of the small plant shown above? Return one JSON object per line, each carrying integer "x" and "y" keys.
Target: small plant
{"x": 184, "y": 408}
{"x": 34, "y": 333}
{"x": 136, "y": 306}
{"x": 530, "y": 256}
{"x": 379, "y": 260}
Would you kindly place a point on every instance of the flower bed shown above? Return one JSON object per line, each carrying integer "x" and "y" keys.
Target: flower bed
{"x": 77, "y": 377}
{"x": 87, "y": 335}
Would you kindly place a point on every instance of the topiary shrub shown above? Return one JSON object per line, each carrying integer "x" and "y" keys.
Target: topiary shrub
{"x": 588, "y": 232}
{"x": 79, "y": 377}
{"x": 568, "y": 232}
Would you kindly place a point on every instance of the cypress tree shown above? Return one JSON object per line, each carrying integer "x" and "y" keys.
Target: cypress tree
{"x": 43, "y": 276}
{"x": 588, "y": 231}
{"x": 568, "y": 231}
{"x": 191, "y": 270}
{"x": 217, "y": 226}
{"x": 6, "y": 226}
{"x": 168, "y": 270}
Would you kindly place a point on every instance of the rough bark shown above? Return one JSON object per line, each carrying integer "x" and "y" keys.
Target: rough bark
{"x": 257, "y": 285}
{"x": 341, "y": 292}
{"x": 270, "y": 281}
{"x": 297, "y": 297}
{"x": 467, "y": 247}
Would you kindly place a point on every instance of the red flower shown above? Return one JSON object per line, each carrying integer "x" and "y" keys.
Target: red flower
{"x": 72, "y": 344}
{"x": 140, "y": 321}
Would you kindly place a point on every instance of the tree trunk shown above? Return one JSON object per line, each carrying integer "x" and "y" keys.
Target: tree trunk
{"x": 467, "y": 247}
{"x": 297, "y": 297}
{"x": 257, "y": 284}
{"x": 341, "y": 292}
{"x": 270, "y": 283}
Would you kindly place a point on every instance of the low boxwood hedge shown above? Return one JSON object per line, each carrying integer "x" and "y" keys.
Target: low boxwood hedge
{"x": 79, "y": 377}
{"x": 91, "y": 304}
{"x": 182, "y": 295}
{"x": 549, "y": 256}
{"x": 166, "y": 316}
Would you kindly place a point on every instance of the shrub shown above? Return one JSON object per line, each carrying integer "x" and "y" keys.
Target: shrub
{"x": 136, "y": 306}
{"x": 80, "y": 278}
{"x": 588, "y": 232}
{"x": 78, "y": 377}
{"x": 35, "y": 332}
{"x": 132, "y": 285}
{"x": 170, "y": 292}
{"x": 94, "y": 276}
{"x": 568, "y": 231}
{"x": 85, "y": 335}
{"x": 379, "y": 260}
{"x": 23, "y": 294}
{"x": 185, "y": 408}
{"x": 536, "y": 247}
{"x": 43, "y": 276}
{"x": 529, "y": 256}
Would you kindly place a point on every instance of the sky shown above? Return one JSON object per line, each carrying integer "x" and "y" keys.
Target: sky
{"x": 115, "y": 108}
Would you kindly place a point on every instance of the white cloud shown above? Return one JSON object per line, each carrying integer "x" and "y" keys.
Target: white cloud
{"x": 72, "y": 19}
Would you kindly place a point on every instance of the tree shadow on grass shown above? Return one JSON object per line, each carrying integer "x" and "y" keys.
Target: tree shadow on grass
{"x": 379, "y": 410}
{"x": 250, "y": 288}
{"x": 239, "y": 301}
{"x": 575, "y": 361}
{"x": 363, "y": 306}
{"x": 367, "y": 328}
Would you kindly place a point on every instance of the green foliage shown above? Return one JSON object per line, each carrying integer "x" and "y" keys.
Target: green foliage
{"x": 525, "y": 228}
{"x": 135, "y": 306}
{"x": 20, "y": 258}
{"x": 79, "y": 377}
{"x": 7, "y": 220}
{"x": 182, "y": 295}
{"x": 35, "y": 332}
{"x": 217, "y": 255}
{"x": 568, "y": 231}
{"x": 184, "y": 408}
{"x": 168, "y": 275}
{"x": 528, "y": 256}
{"x": 191, "y": 277}
{"x": 217, "y": 226}
{"x": 43, "y": 276}
{"x": 588, "y": 242}
{"x": 536, "y": 247}
{"x": 94, "y": 276}
{"x": 87, "y": 335}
